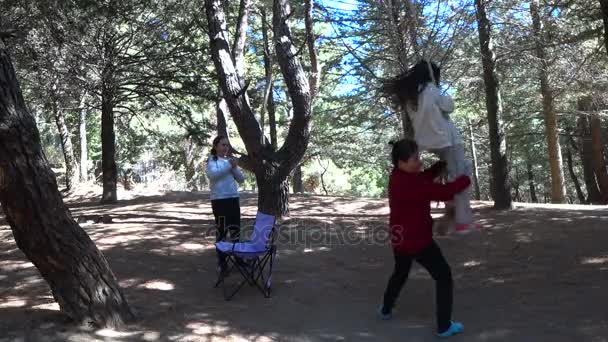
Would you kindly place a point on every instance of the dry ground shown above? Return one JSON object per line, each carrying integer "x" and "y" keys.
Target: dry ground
{"x": 538, "y": 273}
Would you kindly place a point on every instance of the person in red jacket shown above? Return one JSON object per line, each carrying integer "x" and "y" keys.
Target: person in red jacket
{"x": 410, "y": 193}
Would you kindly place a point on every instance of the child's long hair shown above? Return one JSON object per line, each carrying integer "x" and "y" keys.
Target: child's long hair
{"x": 214, "y": 145}
{"x": 404, "y": 89}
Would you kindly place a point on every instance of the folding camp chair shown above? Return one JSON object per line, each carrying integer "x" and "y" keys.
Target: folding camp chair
{"x": 253, "y": 259}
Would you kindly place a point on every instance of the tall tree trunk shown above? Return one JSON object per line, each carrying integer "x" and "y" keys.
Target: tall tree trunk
{"x": 71, "y": 167}
{"x": 515, "y": 186}
{"x": 498, "y": 146}
{"x": 77, "y": 272}
{"x": 577, "y": 184}
{"x": 586, "y": 148}
{"x": 531, "y": 183}
{"x": 604, "y": 5}
{"x": 475, "y": 165}
{"x": 558, "y": 186}
{"x": 190, "y": 152}
{"x": 82, "y": 132}
{"x": 296, "y": 180}
{"x": 108, "y": 139}
{"x": 599, "y": 162}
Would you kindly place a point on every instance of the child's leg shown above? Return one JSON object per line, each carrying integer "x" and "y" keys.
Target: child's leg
{"x": 457, "y": 165}
{"x": 462, "y": 201}
{"x": 434, "y": 262}
{"x": 403, "y": 263}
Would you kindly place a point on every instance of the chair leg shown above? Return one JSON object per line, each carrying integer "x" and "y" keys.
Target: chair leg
{"x": 263, "y": 282}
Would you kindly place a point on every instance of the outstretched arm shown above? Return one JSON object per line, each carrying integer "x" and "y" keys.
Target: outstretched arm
{"x": 446, "y": 192}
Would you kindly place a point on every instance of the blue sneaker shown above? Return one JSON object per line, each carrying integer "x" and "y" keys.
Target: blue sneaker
{"x": 455, "y": 328}
{"x": 384, "y": 316}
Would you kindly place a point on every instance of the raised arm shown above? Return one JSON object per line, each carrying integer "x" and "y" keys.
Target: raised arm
{"x": 238, "y": 175}
{"x": 216, "y": 170}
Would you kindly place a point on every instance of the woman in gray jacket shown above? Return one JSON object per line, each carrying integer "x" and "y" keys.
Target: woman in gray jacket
{"x": 224, "y": 173}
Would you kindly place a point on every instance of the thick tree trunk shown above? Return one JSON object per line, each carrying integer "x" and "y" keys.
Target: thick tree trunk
{"x": 71, "y": 167}
{"x": 604, "y": 5}
{"x": 82, "y": 131}
{"x": 498, "y": 146}
{"x": 296, "y": 180}
{"x": 577, "y": 184}
{"x": 475, "y": 165}
{"x": 77, "y": 272}
{"x": 599, "y": 162}
{"x": 531, "y": 182}
{"x": 273, "y": 194}
{"x": 558, "y": 186}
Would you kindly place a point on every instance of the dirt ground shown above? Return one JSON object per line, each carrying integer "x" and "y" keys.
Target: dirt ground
{"x": 538, "y": 273}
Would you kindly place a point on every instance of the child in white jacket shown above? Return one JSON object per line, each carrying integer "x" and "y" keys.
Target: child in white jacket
{"x": 224, "y": 174}
{"x": 417, "y": 91}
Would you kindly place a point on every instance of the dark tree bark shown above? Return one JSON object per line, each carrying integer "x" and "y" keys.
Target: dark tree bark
{"x": 599, "y": 162}
{"x": 531, "y": 182}
{"x": 77, "y": 272}
{"x": 296, "y": 180}
{"x": 82, "y": 131}
{"x": 71, "y": 166}
{"x": 515, "y": 187}
{"x": 498, "y": 146}
{"x": 271, "y": 168}
{"x": 594, "y": 195}
{"x": 586, "y": 153}
{"x": 108, "y": 139}
{"x": 577, "y": 184}
{"x": 558, "y": 186}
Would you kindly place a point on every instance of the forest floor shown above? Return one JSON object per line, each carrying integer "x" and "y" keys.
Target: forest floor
{"x": 537, "y": 273}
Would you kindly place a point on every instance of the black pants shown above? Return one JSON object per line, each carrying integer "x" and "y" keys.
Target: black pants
{"x": 227, "y": 214}
{"x": 433, "y": 261}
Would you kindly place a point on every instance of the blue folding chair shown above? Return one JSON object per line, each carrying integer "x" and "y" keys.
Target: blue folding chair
{"x": 253, "y": 259}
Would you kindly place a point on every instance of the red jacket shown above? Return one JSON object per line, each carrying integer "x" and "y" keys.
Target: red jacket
{"x": 410, "y": 196}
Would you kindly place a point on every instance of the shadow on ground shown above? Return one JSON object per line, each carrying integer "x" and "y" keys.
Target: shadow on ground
{"x": 532, "y": 274}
